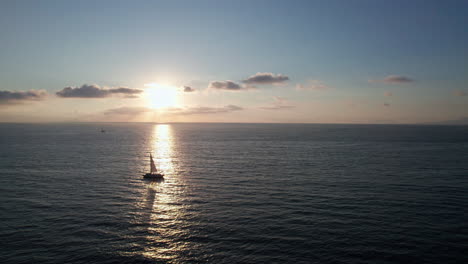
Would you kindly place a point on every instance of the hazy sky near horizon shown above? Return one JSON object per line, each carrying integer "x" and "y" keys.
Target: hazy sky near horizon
{"x": 234, "y": 61}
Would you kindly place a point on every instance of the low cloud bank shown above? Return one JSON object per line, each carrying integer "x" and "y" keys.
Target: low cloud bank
{"x": 127, "y": 111}
{"x": 203, "y": 110}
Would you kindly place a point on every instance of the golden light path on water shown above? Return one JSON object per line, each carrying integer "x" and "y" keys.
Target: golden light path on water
{"x": 163, "y": 148}
{"x": 163, "y": 200}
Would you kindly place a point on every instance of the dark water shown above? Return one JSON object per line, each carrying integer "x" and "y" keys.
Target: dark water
{"x": 234, "y": 193}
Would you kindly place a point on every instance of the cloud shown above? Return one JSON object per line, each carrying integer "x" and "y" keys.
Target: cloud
{"x": 188, "y": 89}
{"x": 203, "y": 110}
{"x": 312, "y": 85}
{"x": 260, "y": 78}
{"x": 126, "y": 92}
{"x": 134, "y": 111}
{"x": 278, "y": 104}
{"x": 277, "y": 107}
{"x": 393, "y": 79}
{"x": 14, "y": 97}
{"x": 266, "y": 78}
{"x": 459, "y": 93}
{"x": 388, "y": 94}
{"x": 94, "y": 91}
{"x": 225, "y": 85}
{"x": 127, "y": 111}
{"x": 386, "y": 104}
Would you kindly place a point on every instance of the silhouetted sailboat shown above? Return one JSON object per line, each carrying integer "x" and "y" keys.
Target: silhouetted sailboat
{"x": 153, "y": 174}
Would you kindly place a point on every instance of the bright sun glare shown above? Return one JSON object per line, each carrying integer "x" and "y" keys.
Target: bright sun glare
{"x": 160, "y": 96}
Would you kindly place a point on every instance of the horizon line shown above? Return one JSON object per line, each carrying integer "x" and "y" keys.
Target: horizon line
{"x": 265, "y": 123}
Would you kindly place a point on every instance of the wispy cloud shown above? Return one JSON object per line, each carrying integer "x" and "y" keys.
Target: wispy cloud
{"x": 94, "y": 91}
{"x": 225, "y": 85}
{"x": 312, "y": 85}
{"x": 261, "y": 78}
{"x": 388, "y": 94}
{"x": 393, "y": 79}
{"x": 127, "y": 111}
{"x": 278, "y": 103}
{"x": 188, "y": 89}
{"x": 277, "y": 107}
{"x": 202, "y": 110}
{"x": 386, "y": 104}
{"x": 14, "y": 97}
{"x": 459, "y": 93}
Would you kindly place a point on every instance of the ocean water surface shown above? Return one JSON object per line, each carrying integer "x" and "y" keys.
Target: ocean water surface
{"x": 233, "y": 193}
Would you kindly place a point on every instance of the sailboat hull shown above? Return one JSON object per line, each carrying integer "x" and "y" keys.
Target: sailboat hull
{"x": 153, "y": 176}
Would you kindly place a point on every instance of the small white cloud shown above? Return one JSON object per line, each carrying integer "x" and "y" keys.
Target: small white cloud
{"x": 393, "y": 79}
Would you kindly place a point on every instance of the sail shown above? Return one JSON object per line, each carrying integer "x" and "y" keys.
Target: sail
{"x": 153, "y": 167}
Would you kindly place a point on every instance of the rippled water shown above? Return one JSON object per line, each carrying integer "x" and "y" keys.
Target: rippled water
{"x": 233, "y": 193}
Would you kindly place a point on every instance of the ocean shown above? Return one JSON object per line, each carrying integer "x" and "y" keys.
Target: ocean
{"x": 233, "y": 193}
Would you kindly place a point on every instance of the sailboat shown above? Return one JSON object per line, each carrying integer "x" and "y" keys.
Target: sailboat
{"x": 153, "y": 174}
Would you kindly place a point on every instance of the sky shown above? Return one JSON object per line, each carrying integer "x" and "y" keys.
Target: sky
{"x": 374, "y": 61}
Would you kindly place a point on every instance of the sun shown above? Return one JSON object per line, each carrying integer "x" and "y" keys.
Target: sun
{"x": 160, "y": 96}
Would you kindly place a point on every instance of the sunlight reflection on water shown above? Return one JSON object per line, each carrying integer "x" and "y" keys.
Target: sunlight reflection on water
{"x": 163, "y": 148}
{"x": 164, "y": 209}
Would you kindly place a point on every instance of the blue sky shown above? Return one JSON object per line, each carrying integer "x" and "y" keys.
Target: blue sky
{"x": 49, "y": 45}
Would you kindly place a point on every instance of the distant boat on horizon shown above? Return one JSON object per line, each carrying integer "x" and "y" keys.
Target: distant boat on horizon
{"x": 153, "y": 174}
